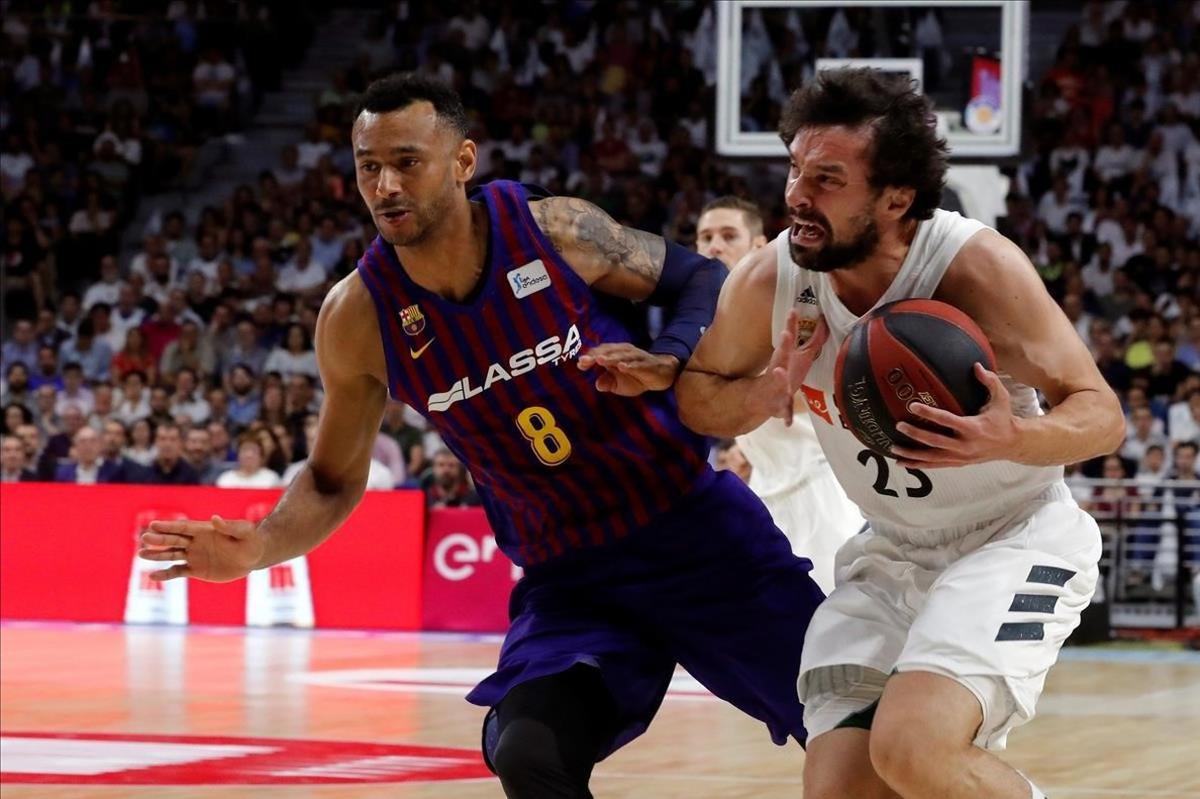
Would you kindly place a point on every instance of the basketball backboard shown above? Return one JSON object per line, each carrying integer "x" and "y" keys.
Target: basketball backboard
{"x": 968, "y": 55}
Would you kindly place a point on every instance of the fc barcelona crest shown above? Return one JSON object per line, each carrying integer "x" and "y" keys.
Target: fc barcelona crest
{"x": 412, "y": 320}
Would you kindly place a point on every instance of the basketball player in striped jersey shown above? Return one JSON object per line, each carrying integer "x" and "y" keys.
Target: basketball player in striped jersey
{"x": 481, "y": 309}
{"x": 951, "y": 608}
{"x": 788, "y": 469}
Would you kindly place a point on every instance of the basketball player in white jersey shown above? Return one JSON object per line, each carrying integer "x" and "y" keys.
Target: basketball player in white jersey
{"x": 952, "y": 606}
{"x": 788, "y": 469}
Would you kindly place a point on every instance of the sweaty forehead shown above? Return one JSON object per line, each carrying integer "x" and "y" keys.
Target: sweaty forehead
{"x": 415, "y": 125}
{"x": 831, "y": 144}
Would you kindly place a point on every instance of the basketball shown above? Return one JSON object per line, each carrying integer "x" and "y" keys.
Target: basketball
{"x": 904, "y": 352}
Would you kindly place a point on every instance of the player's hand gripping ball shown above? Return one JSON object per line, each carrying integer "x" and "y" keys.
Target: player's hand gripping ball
{"x": 905, "y": 353}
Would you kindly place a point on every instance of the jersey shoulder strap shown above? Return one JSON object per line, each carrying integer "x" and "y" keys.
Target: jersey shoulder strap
{"x": 785, "y": 286}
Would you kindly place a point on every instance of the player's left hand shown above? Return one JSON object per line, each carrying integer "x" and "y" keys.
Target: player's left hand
{"x": 629, "y": 371}
{"x": 988, "y": 436}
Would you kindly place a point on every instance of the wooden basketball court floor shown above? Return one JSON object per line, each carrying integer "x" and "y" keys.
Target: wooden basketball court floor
{"x": 1111, "y": 724}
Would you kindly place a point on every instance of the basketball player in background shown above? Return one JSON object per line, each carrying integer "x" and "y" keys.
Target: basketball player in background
{"x": 481, "y": 309}
{"x": 952, "y": 606}
{"x": 788, "y": 469}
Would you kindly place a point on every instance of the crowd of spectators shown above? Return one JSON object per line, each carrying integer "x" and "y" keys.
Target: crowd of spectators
{"x": 191, "y": 361}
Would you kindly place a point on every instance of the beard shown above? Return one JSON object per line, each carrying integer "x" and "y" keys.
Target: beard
{"x": 423, "y": 223}
{"x": 838, "y": 254}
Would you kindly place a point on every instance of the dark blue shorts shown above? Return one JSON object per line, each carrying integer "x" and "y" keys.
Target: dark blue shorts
{"x": 712, "y": 585}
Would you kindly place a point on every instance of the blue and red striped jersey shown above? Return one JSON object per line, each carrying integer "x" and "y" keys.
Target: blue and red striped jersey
{"x": 560, "y": 466}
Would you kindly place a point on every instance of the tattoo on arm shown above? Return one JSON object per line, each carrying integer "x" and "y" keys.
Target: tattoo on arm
{"x": 579, "y": 229}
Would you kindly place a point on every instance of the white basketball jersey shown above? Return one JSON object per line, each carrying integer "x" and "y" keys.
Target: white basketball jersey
{"x": 783, "y": 458}
{"x": 908, "y": 502}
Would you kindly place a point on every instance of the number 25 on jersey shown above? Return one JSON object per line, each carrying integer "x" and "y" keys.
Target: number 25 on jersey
{"x": 550, "y": 444}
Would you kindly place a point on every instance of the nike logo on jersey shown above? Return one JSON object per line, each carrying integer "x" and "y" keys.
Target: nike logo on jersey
{"x": 417, "y": 353}
{"x": 555, "y": 350}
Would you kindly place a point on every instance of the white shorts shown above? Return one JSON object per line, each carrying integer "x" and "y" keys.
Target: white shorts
{"x": 817, "y": 517}
{"x": 989, "y": 609}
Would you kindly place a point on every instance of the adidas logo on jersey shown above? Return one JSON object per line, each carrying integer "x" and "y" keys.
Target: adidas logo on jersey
{"x": 808, "y": 297}
{"x": 554, "y": 350}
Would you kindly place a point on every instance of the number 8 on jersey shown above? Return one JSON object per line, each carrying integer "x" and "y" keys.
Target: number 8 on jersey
{"x": 548, "y": 441}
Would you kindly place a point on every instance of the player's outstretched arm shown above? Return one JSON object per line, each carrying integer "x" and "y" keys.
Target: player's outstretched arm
{"x": 638, "y": 266}
{"x": 993, "y": 281}
{"x": 742, "y": 372}
{"x": 350, "y": 357}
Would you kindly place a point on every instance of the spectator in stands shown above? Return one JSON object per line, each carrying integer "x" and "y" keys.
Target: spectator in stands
{"x": 250, "y": 471}
{"x": 108, "y": 290}
{"x": 178, "y": 245}
{"x": 244, "y": 400}
{"x": 1112, "y": 499}
{"x": 114, "y": 440}
{"x": 1166, "y": 373}
{"x": 47, "y": 331}
{"x": 134, "y": 400}
{"x": 1183, "y": 467}
{"x": 303, "y": 275}
{"x": 379, "y": 477}
{"x": 409, "y": 436}
{"x": 186, "y": 401}
{"x": 190, "y": 351}
{"x": 163, "y": 327}
{"x": 103, "y": 404}
{"x": 127, "y": 314}
{"x": 296, "y": 356}
{"x": 222, "y": 450}
{"x": 12, "y": 461}
{"x": 31, "y": 438}
{"x": 160, "y": 406}
{"x": 1056, "y": 205}
{"x": 135, "y": 356}
{"x": 1142, "y": 434}
{"x": 218, "y": 405}
{"x": 45, "y": 415}
{"x": 15, "y": 387}
{"x": 388, "y": 453}
{"x": 168, "y": 466}
{"x": 91, "y": 353}
{"x": 327, "y": 245}
{"x": 86, "y": 466}
{"x": 21, "y": 346}
{"x": 301, "y": 398}
{"x": 246, "y": 351}
{"x": 46, "y": 369}
{"x": 205, "y": 262}
{"x": 141, "y": 448}
{"x": 70, "y": 316}
{"x": 273, "y": 410}
{"x": 15, "y": 415}
{"x": 1153, "y": 467}
{"x": 447, "y": 484}
{"x": 58, "y": 445}
{"x": 1183, "y": 418}
{"x": 74, "y": 392}
{"x": 197, "y": 450}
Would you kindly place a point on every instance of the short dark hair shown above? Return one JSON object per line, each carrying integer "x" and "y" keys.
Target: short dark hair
{"x": 402, "y": 89}
{"x": 754, "y": 217}
{"x": 905, "y": 149}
